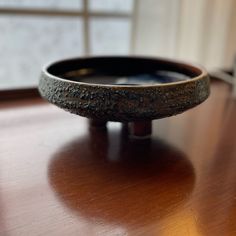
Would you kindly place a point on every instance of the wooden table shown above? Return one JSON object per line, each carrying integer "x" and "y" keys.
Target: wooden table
{"x": 58, "y": 177}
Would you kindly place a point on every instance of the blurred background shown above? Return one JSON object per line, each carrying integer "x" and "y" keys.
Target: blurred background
{"x": 33, "y": 33}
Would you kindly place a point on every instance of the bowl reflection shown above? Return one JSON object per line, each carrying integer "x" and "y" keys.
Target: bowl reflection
{"x": 107, "y": 176}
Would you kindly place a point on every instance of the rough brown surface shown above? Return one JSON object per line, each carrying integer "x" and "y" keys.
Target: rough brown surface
{"x": 125, "y": 103}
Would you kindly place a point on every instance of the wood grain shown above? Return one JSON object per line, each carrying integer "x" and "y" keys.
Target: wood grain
{"x": 58, "y": 177}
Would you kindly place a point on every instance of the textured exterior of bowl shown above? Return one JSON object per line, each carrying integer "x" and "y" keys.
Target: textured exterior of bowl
{"x": 124, "y": 103}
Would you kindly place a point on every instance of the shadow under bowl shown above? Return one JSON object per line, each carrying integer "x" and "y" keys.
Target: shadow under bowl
{"x": 106, "y": 177}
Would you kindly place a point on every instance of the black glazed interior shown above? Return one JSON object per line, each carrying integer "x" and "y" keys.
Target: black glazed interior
{"x": 123, "y": 70}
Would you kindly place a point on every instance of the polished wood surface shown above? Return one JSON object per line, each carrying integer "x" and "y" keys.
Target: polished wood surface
{"x": 58, "y": 177}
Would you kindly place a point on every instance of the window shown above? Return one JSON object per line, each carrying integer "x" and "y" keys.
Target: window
{"x": 36, "y": 32}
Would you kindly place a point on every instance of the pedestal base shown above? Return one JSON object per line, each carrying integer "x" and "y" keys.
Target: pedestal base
{"x": 96, "y": 123}
{"x": 140, "y": 129}
{"x": 136, "y": 129}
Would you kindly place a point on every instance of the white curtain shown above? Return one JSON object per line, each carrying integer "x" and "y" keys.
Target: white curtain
{"x": 200, "y": 31}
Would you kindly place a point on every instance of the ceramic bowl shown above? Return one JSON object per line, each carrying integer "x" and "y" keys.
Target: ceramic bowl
{"x": 124, "y": 89}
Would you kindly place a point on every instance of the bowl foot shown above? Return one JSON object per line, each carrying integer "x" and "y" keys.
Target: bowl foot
{"x": 140, "y": 129}
{"x": 136, "y": 129}
{"x": 96, "y": 123}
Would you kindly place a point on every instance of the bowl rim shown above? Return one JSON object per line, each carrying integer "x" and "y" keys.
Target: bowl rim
{"x": 203, "y": 73}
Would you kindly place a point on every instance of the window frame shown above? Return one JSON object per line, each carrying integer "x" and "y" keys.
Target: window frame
{"x": 85, "y": 14}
